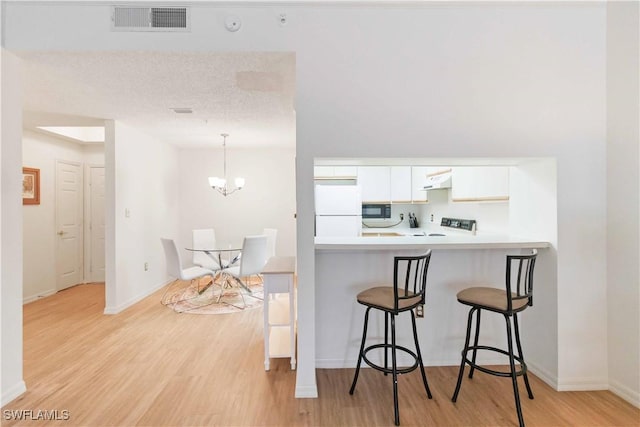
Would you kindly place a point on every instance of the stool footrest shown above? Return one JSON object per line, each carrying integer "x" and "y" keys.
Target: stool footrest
{"x": 390, "y": 370}
{"x": 521, "y": 371}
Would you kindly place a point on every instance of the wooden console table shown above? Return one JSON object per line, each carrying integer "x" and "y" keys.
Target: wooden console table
{"x": 279, "y": 313}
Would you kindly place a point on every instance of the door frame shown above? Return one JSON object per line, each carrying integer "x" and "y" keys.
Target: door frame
{"x": 88, "y": 220}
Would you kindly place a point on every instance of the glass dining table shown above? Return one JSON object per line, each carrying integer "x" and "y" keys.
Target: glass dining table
{"x": 216, "y": 255}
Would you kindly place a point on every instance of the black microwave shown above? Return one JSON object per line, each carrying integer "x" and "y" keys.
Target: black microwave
{"x": 376, "y": 211}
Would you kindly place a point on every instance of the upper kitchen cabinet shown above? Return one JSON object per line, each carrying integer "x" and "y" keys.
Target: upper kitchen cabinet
{"x": 401, "y": 184}
{"x": 375, "y": 182}
{"x": 480, "y": 183}
{"x": 335, "y": 172}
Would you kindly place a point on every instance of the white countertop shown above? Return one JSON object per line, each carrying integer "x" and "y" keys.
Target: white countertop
{"x": 453, "y": 239}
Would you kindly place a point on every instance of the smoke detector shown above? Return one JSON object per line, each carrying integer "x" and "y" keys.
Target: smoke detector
{"x": 232, "y": 23}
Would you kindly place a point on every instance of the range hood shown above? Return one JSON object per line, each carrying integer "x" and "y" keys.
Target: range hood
{"x": 438, "y": 182}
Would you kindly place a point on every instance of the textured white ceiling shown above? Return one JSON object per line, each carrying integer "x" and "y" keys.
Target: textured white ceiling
{"x": 250, "y": 96}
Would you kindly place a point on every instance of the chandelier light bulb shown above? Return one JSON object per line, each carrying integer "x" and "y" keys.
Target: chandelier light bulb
{"x": 220, "y": 184}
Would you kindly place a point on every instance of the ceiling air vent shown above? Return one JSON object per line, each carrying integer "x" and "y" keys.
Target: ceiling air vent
{"x": 127, "y": 18}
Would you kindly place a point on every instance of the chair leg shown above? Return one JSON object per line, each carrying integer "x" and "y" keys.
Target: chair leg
{"x": 524, "y": 368}
{"x": 475, "y": 344}
{"x": 394, "y": 369}
{"x": 514, "y": 377}
{"x": 242, "y": 284}
{"x": 464, "y": 356}
{"x": 415, "y": 338}
{"x": 386, "y": 340}
{"x": 364, "y": 338}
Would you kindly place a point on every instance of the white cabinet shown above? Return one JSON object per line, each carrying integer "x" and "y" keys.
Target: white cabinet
{"x": 279, "y": 312}
{"x": 375, "y": 182}
{"x": 480, "y": 183}
{"x": 400, "y": 184}
{"x": 335, "y": 172}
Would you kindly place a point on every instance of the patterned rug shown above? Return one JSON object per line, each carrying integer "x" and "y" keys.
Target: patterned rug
{"x": 203, "y": 297}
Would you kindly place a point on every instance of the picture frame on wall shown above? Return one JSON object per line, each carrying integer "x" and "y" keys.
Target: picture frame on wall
{"x": 30, "y": 186}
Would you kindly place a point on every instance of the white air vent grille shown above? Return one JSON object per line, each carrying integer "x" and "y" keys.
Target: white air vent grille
{"x": 125, "y": 18}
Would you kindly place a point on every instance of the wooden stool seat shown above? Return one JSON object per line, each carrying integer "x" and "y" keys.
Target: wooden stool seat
{"x": 491, "y": 299}
{"x": 381, "y": 297}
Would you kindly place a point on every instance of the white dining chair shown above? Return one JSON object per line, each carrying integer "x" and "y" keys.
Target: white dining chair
{"x": 254, "y": 257}
{"x": 175, "y": 269}
{"x": 271, "y": 234}
{"x": 205, "y": 238}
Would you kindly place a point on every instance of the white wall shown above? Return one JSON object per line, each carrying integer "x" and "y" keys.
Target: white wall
{"x": 490, "y": 216}
{"x": 39, "y": 227}
{"x": 454, "y": 80}
{"x": 623, "y": 198}
{"x": 148, "y": 190}
{"x": 498, "y": 80}
{"x": 533, "y": 212}
{"x": 266, "y": 201}
{"x": 11, "y": 379}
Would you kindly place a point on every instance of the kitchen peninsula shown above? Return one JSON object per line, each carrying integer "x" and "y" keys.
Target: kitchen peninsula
{"x": 506, "y": 212}
{"x": 347, "y": 265}
{"x": 383, "y": 239}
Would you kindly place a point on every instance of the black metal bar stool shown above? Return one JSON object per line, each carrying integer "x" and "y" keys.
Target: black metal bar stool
{"x": 509, "y": 303}
{"x": 407, "y": 293}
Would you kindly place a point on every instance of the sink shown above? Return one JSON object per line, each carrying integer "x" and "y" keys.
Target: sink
{"x": 383, "y": 234}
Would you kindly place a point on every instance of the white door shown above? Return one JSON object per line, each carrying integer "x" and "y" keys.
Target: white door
{"x": 69, "y": 208}
{"x": 96, "y": 226}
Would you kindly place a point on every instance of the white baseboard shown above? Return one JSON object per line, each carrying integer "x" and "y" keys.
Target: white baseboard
{"x": 570, "y": 384}
{"x": 543, "y": 374}
{"x": 631, "y": 396}
{"x": 13, "y": 392}
{"x": 583, "y": 384}
{"x": 132, "y": 301}
{"x": 36, "y": 297}
{"x": 335, "y": 363}
{"x": 306, "y": 392}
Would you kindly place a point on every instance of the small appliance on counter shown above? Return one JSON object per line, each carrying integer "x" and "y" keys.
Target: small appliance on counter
{"x": 413, "y": 221}
{"x": 460, "y": 224}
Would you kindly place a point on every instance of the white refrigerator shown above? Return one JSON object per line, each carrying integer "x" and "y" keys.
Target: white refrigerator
{"x": 338, "y": 210}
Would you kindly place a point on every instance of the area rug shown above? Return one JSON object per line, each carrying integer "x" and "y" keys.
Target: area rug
{"x": 189, "y": 297}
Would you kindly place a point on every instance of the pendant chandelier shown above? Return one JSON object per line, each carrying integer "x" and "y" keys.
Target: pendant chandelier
{"x": 220, "y": 184}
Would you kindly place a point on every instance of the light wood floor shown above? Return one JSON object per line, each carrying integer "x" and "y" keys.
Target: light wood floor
{"x": 149, "y": 366}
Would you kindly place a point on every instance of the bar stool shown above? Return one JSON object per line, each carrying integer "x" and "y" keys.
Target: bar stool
{"x": 508, "y": 302}
{"x": 407, "y": 293}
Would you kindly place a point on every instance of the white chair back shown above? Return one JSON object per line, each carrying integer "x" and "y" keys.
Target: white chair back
{"x": 204, "y": 238}
{"x": 271, "y": 234}
{"x": 254, "y": 255}
{"x": 174, "y": 264}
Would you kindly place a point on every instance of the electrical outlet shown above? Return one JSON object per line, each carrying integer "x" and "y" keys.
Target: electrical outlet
{"x": 146, "y": 266}
{"x": 420, "y": 310}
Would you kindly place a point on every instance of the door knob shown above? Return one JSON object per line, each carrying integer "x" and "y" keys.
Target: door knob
{"x": 60, "y": 233}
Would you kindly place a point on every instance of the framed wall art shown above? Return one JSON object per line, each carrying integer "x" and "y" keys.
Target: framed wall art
{"x": 30, "y": 186}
